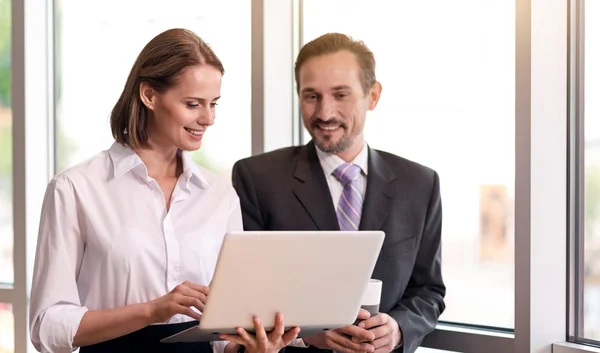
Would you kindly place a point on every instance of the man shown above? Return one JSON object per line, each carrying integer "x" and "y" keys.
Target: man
{"x": 322, "y": 185}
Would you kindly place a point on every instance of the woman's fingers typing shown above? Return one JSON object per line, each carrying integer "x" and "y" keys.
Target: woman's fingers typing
{"x": 180, "y": 300}
{"x": 197, "y": 287}
{"x": 192, "y": 290}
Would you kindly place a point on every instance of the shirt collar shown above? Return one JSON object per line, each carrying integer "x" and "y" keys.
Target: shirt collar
{"x": 192, "y": 171}
{"x": 329, "y": 161}
{"x": 125, "y": 159}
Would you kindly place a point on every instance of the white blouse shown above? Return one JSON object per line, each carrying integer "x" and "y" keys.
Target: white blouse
{"x": 106, "y": 240}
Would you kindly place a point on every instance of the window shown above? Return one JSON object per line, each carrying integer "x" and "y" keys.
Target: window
{"x": 448, "y": 102}
{"x": 6, "y": 328}
{"x": 453, "y": 71}
{"x": 96, "y": 47}
{"x": 6, "y": 219}
{"x": 591, "y": 241}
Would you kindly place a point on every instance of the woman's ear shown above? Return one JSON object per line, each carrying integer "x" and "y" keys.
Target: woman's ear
{"x": 147, "y": 95}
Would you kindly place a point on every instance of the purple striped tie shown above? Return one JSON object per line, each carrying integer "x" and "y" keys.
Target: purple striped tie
{"x": 350, "y": 204}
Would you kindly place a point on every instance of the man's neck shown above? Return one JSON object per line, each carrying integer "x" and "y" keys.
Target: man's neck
{"x": 350, "y": 153}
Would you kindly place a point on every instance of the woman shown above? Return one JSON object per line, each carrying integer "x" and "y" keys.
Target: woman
{"x": 128, "y": 239}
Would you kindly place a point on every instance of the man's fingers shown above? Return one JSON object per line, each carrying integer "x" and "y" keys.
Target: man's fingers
{"x": 382, "y": 342}
{"x": 378, "y": 332}
{"x": 245, "y": 335}
{"x": 377, "y": 320}
{"x": 233, "y": 338}
{"x": 350, "y": 347}
{"x": 363, "y": 347}
{"x": 279, "y": 328}
{"x": 363, "y": 314}
{"x": 289, "y": 336}
{"x": 336, "y": 347}
{"x": 360, "y": 333}
{"x": 345, "y": 342}
{"x": 385, "y": 348}
{"x": 359, "y": 340}
{"x": 261, "y": 335}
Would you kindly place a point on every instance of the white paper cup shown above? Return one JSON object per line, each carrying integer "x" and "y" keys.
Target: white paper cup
{"x": 372, "y": 297}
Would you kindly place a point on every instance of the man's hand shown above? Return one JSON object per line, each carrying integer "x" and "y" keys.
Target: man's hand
{"x": 342, "y": 339}
{"x": 386, "y": 332}
{"x": 263, "y": 342}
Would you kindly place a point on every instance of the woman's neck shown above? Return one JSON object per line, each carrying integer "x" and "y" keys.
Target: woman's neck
{"x": 161, "y": 162}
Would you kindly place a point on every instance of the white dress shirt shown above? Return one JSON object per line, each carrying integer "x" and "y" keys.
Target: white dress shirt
{"x": 106, "y": 240}
{"x": 329, "y": 162}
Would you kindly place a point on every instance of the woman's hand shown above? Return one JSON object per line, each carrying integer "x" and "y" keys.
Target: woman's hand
{"x": 179, "y": 301}
{"x": 263, "y": 342}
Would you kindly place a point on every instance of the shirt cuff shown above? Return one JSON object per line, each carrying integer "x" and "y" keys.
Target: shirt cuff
{"x": 219, "y": 346}
{"x": 299, "y": 343}
{"x": 59, "y": 325}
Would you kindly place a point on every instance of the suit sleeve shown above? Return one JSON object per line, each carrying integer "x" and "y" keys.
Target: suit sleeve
{"x": 422, "y": 303}
{"x": 244, "y": 186}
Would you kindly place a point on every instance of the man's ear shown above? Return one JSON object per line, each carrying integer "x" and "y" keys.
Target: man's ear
{"x": 374, "y": 94}
{"x": 147, "y": 95}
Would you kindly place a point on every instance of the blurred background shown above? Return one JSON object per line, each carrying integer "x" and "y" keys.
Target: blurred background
{"x": 448, "y": 102}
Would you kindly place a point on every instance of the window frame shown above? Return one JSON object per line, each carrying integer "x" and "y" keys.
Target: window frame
{"x": 31, "y": 106}
{"x": 541, "y": 183}
{"x": 576, "y": 168}
{"x": 576, "y": 120}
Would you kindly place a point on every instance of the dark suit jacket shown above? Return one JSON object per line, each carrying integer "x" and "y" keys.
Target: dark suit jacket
{"x": 286, "y": 190}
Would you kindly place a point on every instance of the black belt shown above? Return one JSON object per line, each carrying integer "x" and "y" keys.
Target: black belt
{"x": 147, "y": 340}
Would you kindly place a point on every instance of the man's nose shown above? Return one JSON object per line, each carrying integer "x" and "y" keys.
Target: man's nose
{"x": 326, "y": 109}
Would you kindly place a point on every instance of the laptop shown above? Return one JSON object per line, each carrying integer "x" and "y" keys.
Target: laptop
{"x": 316, "y": 279}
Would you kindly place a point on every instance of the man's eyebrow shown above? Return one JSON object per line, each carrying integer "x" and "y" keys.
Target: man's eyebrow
{"x": 341, "y": 87}
{"x": 336, "y": 88}
{"x": 308, "y": 90}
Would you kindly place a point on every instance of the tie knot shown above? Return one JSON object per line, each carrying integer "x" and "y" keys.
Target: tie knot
{"x": 346, "y": 173}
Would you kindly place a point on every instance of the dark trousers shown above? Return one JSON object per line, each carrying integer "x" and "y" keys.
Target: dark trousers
{"x": 147, "y": 340}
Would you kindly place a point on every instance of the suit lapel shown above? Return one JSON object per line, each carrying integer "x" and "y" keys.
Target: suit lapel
{"x": 312, "y": 190}
{"x": 379, "y": 195}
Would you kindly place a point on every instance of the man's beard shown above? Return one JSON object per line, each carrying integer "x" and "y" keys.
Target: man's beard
{"x": 325, "y": 143}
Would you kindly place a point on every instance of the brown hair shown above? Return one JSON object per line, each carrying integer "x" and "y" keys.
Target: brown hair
{"x": 159, "y": 64}
{"x": 331, "y": 43}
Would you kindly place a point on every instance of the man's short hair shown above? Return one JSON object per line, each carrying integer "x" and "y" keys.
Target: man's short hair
{"x": 331, "y": 43}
